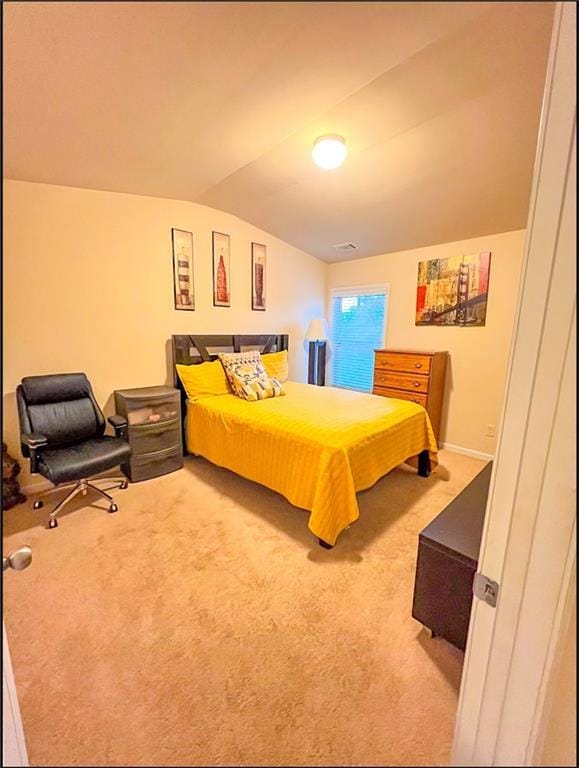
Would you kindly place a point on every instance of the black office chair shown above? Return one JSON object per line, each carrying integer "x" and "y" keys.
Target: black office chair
{"x": 62, "y": 433}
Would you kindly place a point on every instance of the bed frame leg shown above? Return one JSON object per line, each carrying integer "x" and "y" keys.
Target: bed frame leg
{"x": 325, "y": 544}
{"x": 424, "y": 464}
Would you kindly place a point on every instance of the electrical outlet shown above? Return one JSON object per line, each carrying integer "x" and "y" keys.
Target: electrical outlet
{"x": 491, "y": 430}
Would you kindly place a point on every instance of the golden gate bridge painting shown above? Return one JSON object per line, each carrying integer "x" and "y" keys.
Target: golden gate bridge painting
{"x": 453, "y": 291}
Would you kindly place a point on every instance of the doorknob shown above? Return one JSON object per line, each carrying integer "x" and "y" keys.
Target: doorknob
{"x": 18, "y": 560}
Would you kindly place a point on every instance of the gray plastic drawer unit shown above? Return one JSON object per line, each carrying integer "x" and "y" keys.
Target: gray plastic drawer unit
{"x": 154, "y": 432}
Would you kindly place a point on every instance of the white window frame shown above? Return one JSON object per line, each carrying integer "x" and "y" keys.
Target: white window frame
{"x": 357, "y": 290}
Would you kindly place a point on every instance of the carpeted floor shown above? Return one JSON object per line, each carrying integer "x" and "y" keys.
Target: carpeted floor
{"x": 203, "y": 625}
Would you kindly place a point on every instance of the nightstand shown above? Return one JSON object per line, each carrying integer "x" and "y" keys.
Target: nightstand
{"x": 154, "y": 430}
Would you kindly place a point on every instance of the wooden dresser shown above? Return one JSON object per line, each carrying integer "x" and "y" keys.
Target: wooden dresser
{"x": 412, "y": 375}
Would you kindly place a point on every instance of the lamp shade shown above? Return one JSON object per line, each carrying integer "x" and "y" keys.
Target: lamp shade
{"x": 317, "y": 330}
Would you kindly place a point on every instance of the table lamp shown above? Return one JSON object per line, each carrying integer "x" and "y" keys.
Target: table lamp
{"x": 317, "y": 335}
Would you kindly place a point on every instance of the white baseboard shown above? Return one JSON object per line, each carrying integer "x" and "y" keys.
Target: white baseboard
{"x": 467, "y": 451}
{"x": 36, "y": 486}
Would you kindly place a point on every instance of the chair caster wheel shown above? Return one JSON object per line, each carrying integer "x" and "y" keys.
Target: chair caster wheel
{"x": 113, "y": 508}
{"x": 38, "y": 504}
{"x": 53, "y": 523}
{"x": 124, "y": 485}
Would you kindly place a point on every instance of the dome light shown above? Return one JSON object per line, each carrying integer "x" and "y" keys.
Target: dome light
{"x": 329, "y": 151}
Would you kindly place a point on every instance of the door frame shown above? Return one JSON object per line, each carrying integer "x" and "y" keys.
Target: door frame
{"x": 13, "y": 744}
{"x": 528, "y": 543}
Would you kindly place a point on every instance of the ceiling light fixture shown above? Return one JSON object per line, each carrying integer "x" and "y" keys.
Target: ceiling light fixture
{"x": 329, "y": 151}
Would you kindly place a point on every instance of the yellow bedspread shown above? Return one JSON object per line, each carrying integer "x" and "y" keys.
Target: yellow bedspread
{"x": 316, "y": 446}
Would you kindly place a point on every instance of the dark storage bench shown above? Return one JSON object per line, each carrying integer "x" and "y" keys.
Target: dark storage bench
{"x": 448, "y": 552}
{"x": 154, "y": 430}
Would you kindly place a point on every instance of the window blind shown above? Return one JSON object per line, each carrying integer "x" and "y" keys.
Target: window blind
{"x": 357, "y": 329}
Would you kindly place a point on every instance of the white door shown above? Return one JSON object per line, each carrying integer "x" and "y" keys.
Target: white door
{"x": 528, "y": 542}
{"x": 13, "y": 744}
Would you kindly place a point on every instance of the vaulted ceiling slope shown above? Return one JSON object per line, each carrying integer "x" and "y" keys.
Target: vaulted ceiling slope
{"x": 219, "y": 103}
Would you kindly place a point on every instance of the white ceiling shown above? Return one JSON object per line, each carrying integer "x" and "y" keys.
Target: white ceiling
{"x": 219, "y": 103}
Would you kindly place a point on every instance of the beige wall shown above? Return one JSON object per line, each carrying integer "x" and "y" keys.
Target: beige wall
{"x": 475, "y": 382}
{"x": 88, "y": 286}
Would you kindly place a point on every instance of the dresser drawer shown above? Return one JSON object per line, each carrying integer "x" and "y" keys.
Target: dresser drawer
{"x": 403, "y": 362}
{"x": 148, "y": 405}
{"x": 149, "y": 438}
{"x": 414, "y": 397}
{"x": 154, "y": 464}
{"x": 397, "y": 380}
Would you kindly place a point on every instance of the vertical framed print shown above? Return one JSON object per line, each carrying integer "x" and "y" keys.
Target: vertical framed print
{"x": 258, "y": 282}
{"x": 221, "y": 284}
{"x": 183, "y": 287}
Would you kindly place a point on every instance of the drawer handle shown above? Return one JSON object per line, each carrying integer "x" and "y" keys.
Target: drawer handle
{"x": 155, "y": 426}
{"x": 415, "y": 383}
{"x": 418, "y": 365}
{"x": 150, "y": 458}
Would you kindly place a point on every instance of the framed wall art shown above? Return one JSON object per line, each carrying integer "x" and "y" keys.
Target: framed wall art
{"x": 258, "y": 282}
{"x": 221, "y": 284}
{"x": 453, "y": 291}
{"x": 183, "y": 287}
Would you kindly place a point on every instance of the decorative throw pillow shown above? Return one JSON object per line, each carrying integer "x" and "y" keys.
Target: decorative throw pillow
{"x": 203, "y": 380}
{"x": 275, "y": 364}
{"x": 248, "y": 377}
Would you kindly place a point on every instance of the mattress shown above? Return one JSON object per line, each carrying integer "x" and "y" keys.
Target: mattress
{"x": 317, "y": 446}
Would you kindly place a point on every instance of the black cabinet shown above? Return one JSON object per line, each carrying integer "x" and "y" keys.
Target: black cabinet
{"x": 154, "y": 430}
{"x": 448, "y": 551}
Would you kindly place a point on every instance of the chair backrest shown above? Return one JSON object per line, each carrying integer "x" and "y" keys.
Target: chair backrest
{"x": 59, "y": 406}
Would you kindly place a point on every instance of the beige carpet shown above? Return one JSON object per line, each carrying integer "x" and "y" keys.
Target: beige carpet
{"x": 203, "y": 625}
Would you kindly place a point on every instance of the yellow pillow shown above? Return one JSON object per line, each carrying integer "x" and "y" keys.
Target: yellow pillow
{"x": 247, "y": 376}
{"x": 275, "y": 364}
{"x": 203, "y": 380}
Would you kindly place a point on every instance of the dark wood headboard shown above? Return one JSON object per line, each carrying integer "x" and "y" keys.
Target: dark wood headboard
{"x": 192, "y": 349}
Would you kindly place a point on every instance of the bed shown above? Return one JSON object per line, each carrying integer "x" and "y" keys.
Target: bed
{"x": 317, "y": 446}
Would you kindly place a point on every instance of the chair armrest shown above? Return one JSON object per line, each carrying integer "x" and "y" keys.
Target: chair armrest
{"x": 33, "y": 441}
{"x": 119, "y": 424}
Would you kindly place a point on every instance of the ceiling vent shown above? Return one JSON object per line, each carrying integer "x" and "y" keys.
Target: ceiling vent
{"x": 345, "y": 247}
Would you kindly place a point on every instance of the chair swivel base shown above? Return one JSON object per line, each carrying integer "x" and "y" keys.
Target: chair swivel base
{"x": 82, "y": 486}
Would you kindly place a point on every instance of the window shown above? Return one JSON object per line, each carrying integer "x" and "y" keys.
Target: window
{"x": 357, "y": 329}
